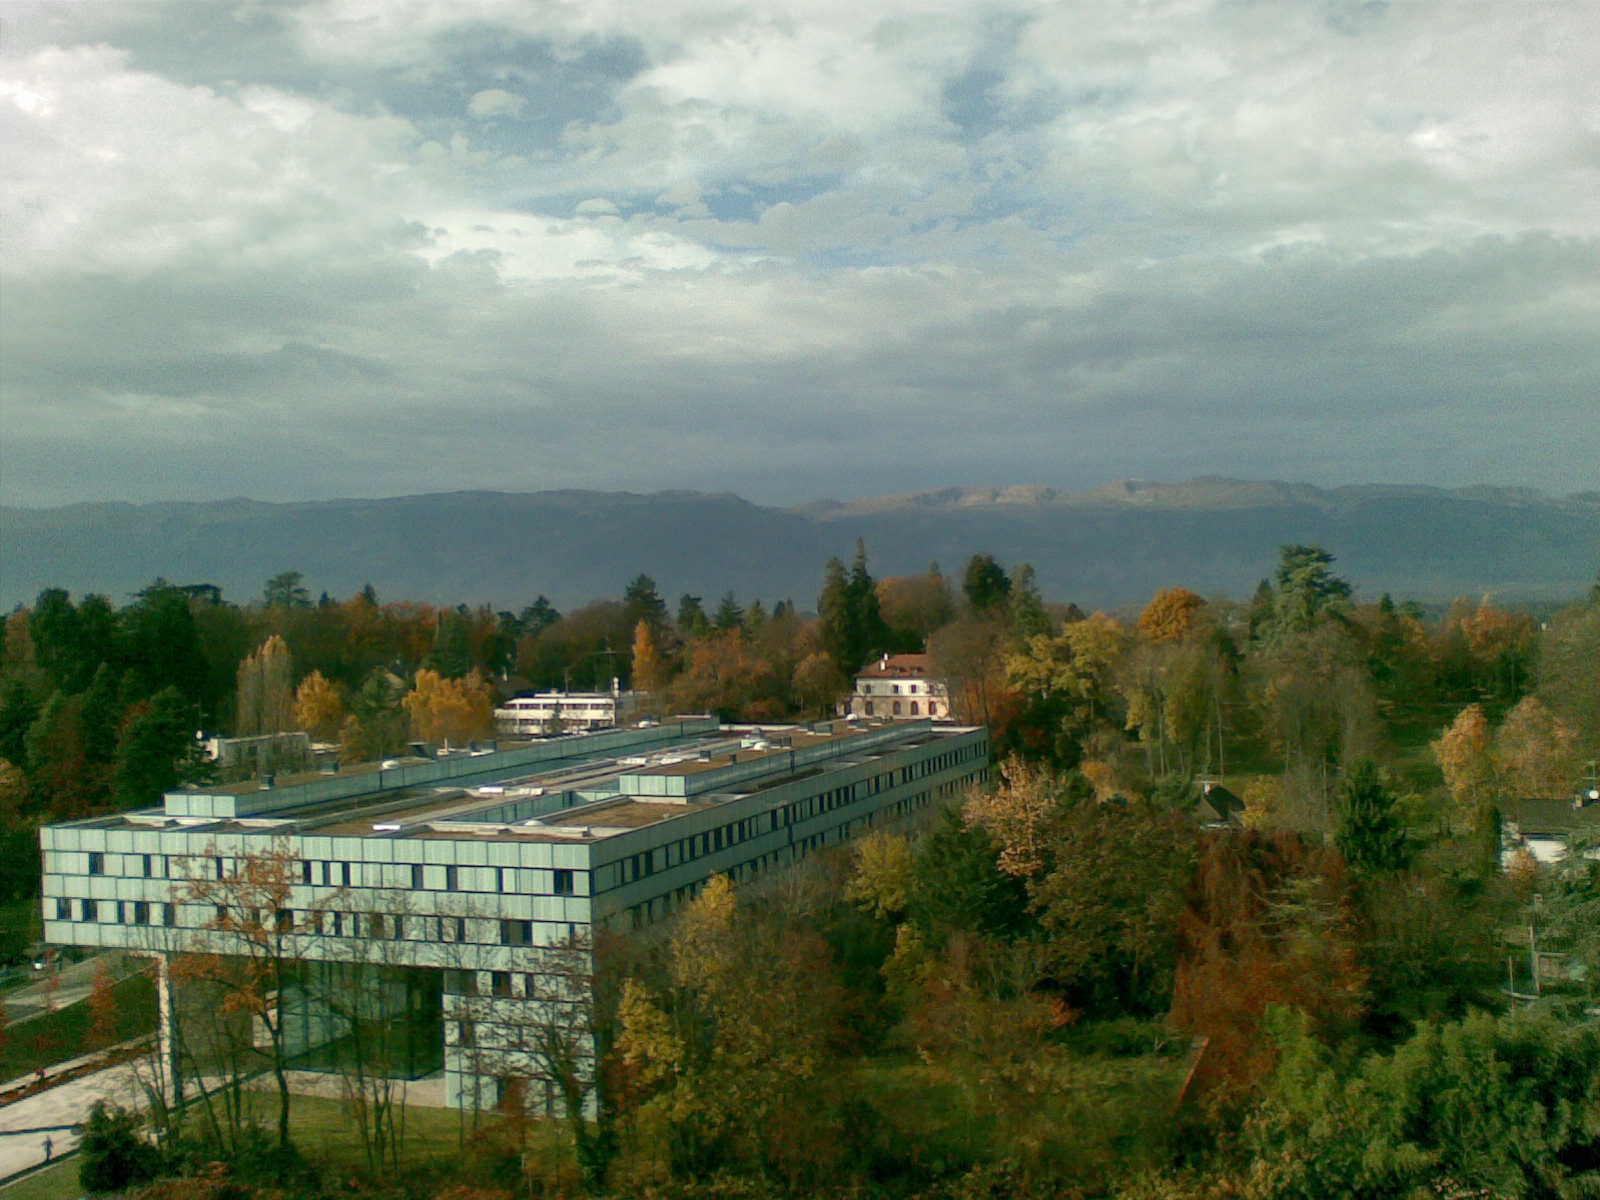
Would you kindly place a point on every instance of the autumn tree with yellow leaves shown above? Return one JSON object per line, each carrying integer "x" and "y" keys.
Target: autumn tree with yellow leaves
{"x": 449, "y": 710}
{"x": 733, "y": 1061}
{"x": 319, "y": 708}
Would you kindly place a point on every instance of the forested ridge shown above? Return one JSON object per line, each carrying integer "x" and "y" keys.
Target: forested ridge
{"x": 1065, "y": 985}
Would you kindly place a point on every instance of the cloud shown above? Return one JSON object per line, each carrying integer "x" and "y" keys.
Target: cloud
{"x": 495, "y": 102}
{"x": 794, "y": 249}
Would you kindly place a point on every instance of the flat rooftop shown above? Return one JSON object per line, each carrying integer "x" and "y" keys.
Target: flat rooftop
{"x": 571, "y": 797}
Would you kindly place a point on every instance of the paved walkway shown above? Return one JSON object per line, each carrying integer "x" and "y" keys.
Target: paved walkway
{"x": 67, "y": 1104}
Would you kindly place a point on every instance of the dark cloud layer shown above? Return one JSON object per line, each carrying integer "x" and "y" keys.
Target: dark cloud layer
{"x": 363, "y": 247}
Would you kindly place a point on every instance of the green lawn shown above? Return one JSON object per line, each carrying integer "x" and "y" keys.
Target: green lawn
{"x": 55, "y": 1037}
{"x": 59, "y": 1182}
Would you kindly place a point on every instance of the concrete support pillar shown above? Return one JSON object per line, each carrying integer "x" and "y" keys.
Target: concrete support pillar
{"x": 169, "y": 1076}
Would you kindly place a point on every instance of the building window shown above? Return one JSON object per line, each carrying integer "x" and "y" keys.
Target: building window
{"x": 869, "y": 708}
{"x": 416, "y": 877}
{"x": 169, "y": 914}
{"x": 461, "y": 983}
{"x": 97, "y": 863}
{"x": 516, "y": 933}
{"x": 86, "y": 910}
{"x": 500, "y": 984}
{"x": 897, "y": 708}
{"x": 283, "y": 920}
{"x": 564, "y": 882}
{"x": 63, "y": 909}
{"x": 468, "y": 1036}
{"x": 398, "y": 932}
{"x": 452, "y": 878}
{"x": 141, "y": 912}
{"x": 914, "y": 711}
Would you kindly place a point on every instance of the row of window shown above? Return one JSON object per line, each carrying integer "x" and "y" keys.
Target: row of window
{"x": 871, "y": 709}
{"x": 329, "y": 873}
{"x": 712, "y": 841}
{"x": 121, "y": 912}
{"x": 515, "y": 985}
{"x": 393, "y": 926}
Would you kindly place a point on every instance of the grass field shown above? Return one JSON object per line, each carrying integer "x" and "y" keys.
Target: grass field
{"x": 59, "y": 1182}
{"x": 63, "y": 1034}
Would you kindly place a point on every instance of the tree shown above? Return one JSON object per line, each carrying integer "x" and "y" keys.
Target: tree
{"x": 19, "y": 709}
{"x": 318, "y": 708}
{"x": 1025, "y": 606}
{"x": 1465, "y": 754}
{"x": 162, "y": 643}
{"x": 1305, "y": 587}
{"x": 567, "y": 1033}
{"x": 378, "y": 724}
{"x": 1370, "y": 834}
{"x": 1537, "y": 754}
{"x": 881, "y": 880}
{"x": 537, "y": 617}
{"x": 154, "y": 751}
{"x": 641, "y": 602}
{"x": 729, "y": 614}
{"x": 723, "y": 675}
{"x": 1264, "y": 925}
{"x": 265, "y": 695}
{"x": 853, "y": 628}
{"x": 734, "y": 1059}
{"x": 956, "y": 884}
{"x": 818, "y": 683}
{"x": 1568, "y": 682}
{"x": 1487, "y": 1106}
{"x": 445, "y": 710}
{"x": 113, "y": 1156}
{"x": 250, "y": 950}
{"x": 1110, "y": 902}
{"x": 1170, "y": 615}
{"x": 649, "y": 671}
{"x": 914, "y": 606}
{"x": 985, "y": 583}
{"x": 286, "y": 590}
{"x": 692, "y": 620}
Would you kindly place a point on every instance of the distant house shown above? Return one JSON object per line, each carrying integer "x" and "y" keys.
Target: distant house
{"x": 1217, "y": 807}
{"x": 1544, "y": 826}
{"x": 545, "y": 713}
{"x": 900, "y": 685}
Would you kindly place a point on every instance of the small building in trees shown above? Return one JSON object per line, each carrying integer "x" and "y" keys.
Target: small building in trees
{"x": 1218, "y": 808}
{"x": 902, "y": 687}
{"x": 1544, "y": 827}
{"x": 546, "y": 713}
{"x": 460, "y": 903}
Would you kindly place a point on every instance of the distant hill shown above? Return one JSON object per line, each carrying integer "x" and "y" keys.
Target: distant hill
{"x": 1106, "y": 547}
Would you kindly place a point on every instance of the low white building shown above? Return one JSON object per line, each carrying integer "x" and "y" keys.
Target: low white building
{"x": 565, "y": 712}
{"x": 900, "y": 686}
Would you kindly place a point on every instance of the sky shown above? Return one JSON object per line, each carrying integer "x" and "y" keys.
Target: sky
{"x": 794, "y": 250}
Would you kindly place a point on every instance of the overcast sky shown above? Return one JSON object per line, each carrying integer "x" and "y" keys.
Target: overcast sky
{"x": 794, "y": 250}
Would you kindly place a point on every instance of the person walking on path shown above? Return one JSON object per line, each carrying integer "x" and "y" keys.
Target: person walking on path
{"x": 49, "y": 1147}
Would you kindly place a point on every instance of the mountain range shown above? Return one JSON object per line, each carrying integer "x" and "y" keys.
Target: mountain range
{"x": 1108, "y": 547}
